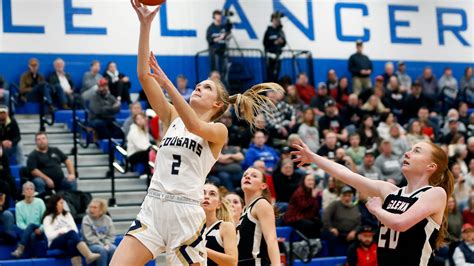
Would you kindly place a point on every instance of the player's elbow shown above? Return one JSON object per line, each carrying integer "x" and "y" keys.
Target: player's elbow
{"x": 400, "y": 226}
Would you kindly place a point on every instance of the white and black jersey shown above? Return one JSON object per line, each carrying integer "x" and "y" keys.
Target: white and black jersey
{"x": 252, "y": 246}
{"x": 182, "y": 163}
{"x": 214, "y": 240}
{"x": 412, "y": 247}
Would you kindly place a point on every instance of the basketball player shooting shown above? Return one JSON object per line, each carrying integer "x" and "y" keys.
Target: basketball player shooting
{"x": 171, "y": 219}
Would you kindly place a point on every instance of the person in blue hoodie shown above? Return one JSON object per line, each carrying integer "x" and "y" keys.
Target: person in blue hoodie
{"x": 259, "y": 151}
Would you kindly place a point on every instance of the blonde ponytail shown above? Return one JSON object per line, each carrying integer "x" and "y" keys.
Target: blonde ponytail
{"x": 249, "y": 104}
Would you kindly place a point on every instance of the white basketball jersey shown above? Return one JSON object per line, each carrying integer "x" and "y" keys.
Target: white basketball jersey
{"x": 182, "y": 163}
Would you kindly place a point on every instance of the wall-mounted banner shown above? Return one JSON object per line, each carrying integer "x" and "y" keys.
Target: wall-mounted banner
{"x": 425, "y": 30}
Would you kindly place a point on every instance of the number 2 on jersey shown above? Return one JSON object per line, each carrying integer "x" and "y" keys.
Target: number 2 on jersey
{"x": 176, "y": 164}
{"x": 390, "y": 235}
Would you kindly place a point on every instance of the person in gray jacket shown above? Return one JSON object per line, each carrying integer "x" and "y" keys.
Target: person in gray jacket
{"x": 368, "y": 168}
{"x": 98, "y": 231}
{"x": 90, "y": 80}
{"x": 389, "y": 163}
{"x": 102, "y": 109}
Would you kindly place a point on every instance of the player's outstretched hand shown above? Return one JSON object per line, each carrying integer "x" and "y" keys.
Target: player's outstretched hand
{"x": 303, "y": 154}
{"x": 374, "y": 204}
{"x": 144, "y": 15}
{"x": 158, "y": 73}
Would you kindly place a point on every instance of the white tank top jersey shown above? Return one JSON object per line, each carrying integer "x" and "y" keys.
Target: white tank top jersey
{"x": 182, "y": 163}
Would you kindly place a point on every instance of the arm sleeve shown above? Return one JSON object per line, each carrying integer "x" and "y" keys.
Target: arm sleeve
{"x": 352, "y": 255}
{"x": 71, "y": 223}
{"x": 87, "y": 232}
{"x": 110, "y": 239}
{"x": 16, "y": 133}
{"x": 49, "y": 231}
{"x": 20, "y": 218}
{"x": 327, "y": 214}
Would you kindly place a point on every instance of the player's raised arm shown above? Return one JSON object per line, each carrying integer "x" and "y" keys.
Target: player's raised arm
{"x": 152, "y": 89}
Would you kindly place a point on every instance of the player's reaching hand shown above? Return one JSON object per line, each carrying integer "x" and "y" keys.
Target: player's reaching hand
{"x": 144, "y": 15}
{"x": 158, "y": 73}
{"x": 303, "y": 154}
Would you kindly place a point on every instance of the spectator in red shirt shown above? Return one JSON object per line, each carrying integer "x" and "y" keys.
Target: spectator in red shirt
{"x": 305, "y": 90}
{"x": 364, "y": 251}
{"x": 303, "y": 209}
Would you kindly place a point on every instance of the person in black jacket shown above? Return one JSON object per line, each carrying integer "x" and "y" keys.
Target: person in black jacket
{"x": 361, "y": 68}
{"x": 60, "y": 80}
{"x": 119, "y": 84}
{"x": 274, "y": 41}
{"x": 216, "y": 38}
{"x": 10, "y": 136}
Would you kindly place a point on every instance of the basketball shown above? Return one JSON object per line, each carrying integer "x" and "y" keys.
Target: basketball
{"x": 152, "y": 2}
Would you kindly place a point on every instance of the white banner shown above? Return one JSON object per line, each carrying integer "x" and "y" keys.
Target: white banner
{"x": 407, "y": 30}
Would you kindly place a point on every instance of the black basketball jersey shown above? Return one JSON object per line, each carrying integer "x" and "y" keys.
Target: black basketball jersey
{"x": 214, "y": 240}
{"x": 412, "y": 247}
{"x": 252, "y": 246}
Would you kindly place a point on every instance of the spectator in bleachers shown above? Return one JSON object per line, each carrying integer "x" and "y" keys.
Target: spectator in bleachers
{"x": 467, "y": 80}
{"x": 317, "y": 102}
{"x": 60, "y": 80}
{"x": 90, "y": 81}
{"x": 414, "y": 101}
{"x": 332, "y": 121}
{"x": 293, "y": 99}
{"x": 285, "y": 180}
{"x": 389, "y": 72}
{"x": 135, "y": 108}
{"x": 464, "y": 253}
{"x": 429, "y": 83}
{"x": 374, "y": 107}
{"x": 7, "y": 220}
{"x": 415, "y": 134}
{"x": 368, "y": 167}
{"x": 303, "y": 209}
{"x": 29, "y": 215}
{"x": 102, "y": 110}
{"x": 368, "y": 133}
{"x": 454, "y": 221}
{"x": 62, "y": 233}
{"x": 453, "y": 130}
{"x": 463, "y": 110}
{"x": 308, "y": 130}
{"x": 330, "y": 193}
{"x": 4, "y": 92}
{"x": 182, "y": 86}
{"x": 6, "y": 175}
{"x": 470, "y": 149}
{"x": 351, "y": 112}
{"x": 403, "y": 78}
{"x": 332, "y": 83}
{"x": 44, "y": 164}
{"x": 355, "y": 151}
{"x": 281, "y": 120}
{"x": 138, "y": 142}
{"x": 363, "y": 252}
{"x": 395, "y": 98}
{"x": 98, "y": 231}
{"x": 340, "y": 222}
{"x": 428, "y": 128}
{"x": 343, "y": 92}
{"x": 399, "y": 141}
{"x": 360, "y": 67}
{"x": 237, "y": 204}
{"x": 389, "y": 163}
{"x": 459, "y": 153}
{"x": 448, "y": 81}
{"x": 453, "y": 114}
{"x": 228, "y": 166}
{"x": 462, "y": 189}
{"x": 343, "y": 159}
{"x": 470, "y": 175}
{"x": 10, "y": 136}
{"x": 448, "y": 91}
{"x": 328, "y": 149}
{"x": 33, "y": 86}
{"x": 119, "y": 84}
{"x": 260, "y": 165}
{"x": 259, "y": 151}
{"x": 387, "y": 120}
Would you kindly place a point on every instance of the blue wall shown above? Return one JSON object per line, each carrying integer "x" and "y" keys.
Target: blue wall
{"x": 13, "y": 65}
